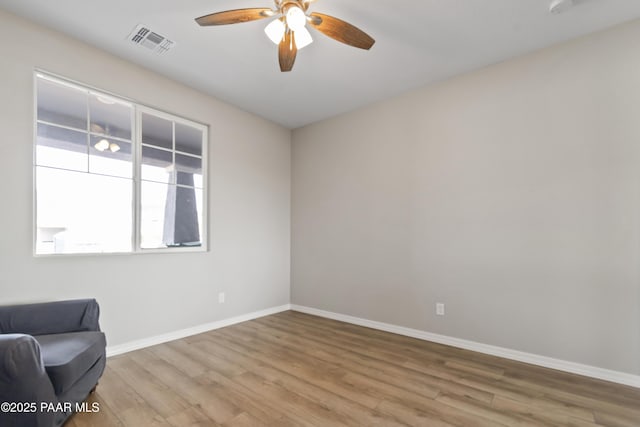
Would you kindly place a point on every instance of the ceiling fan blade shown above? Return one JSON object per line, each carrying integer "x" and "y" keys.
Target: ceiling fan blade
{"x": 235, "y": 16}
{"x": 287, "y": 52}
{"x": 341, "y": 31}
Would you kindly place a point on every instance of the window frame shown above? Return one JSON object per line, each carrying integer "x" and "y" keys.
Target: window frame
{"x": 136, "y": 159}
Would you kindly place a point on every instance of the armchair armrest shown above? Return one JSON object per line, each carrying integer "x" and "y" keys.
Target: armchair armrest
{"x": 19, "y": 356}
{"x": 24, "y": 380}
{"x": 50, "y": 317}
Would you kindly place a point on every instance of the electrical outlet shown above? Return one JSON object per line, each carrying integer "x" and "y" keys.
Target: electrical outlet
{"x": 440, "y": 309}
{"x": 221, "y": 298}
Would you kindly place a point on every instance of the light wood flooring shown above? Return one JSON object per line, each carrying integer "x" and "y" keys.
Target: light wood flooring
{"x": 293, "y": 369}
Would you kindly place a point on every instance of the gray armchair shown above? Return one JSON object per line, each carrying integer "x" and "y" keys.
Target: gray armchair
{"x": 51, "y": 357}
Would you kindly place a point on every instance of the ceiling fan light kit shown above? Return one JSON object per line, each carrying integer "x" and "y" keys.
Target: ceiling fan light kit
{"x": 296, "y": 19}
{"x": 104, "y": 145}
{"x": 275, "y": 30}
{"x": 289, "y": 28}
{"x": 303, "y": 38}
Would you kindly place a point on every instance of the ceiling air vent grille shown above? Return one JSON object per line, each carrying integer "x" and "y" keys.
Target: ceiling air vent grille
{"x": 143, "y": 36}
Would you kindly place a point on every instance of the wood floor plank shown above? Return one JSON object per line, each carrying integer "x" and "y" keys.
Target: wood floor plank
{"x": 543, "y": 417}
{"x": 413, "y": 416}
{"x": 245, "y": 420}
{"x": 186, "y": 363}
{"x": 367, "y": 363}
{"x": 254, "y": 403}
{"x": 192, "y": 417}
{"x": 293, "y": 369}
{"x": 207, "y": 397}
{"x": 103, "y": 417}
{"x": 127, "y": 404}
{"x": 160, "y": 396}
{"x": 475, "y": 408}
{"x": 283, "y": 375}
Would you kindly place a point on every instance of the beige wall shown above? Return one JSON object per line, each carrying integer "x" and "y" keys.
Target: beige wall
{"x": 147, "y": 295}
{"x": 510, "y": 194}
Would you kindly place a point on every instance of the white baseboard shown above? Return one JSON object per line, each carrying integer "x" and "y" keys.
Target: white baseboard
{"x": 534, "y": 359}
{"x": 176, "y": 335}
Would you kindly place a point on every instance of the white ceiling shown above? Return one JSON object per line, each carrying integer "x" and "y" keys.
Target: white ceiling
{"x": 417, "y": 42}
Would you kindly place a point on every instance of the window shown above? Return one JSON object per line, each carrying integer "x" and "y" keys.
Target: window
{"x": 113, "y": 176}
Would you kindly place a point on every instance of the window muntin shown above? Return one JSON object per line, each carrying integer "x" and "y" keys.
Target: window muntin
{"x": 94, "y": 170}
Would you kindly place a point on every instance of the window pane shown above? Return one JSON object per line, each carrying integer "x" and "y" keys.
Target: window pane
{"x": 189, "y": 179}
{"x": 200, "y": 210}
{"x": 109, "y": 117}
{"x": 198, "y": 181}
{"x": 188, "y": 139}
{"x": 62, "y": 104}
{"x": 110, "y": 157}
{"x": 157, "y": 131}
{"x": 61, "y": 148}
{"x": 187, "y": 165}
{"x": 170, "y": 216}
{"x": 157, "y": 165}
{"x": 82, "y": 213}
{"x": 183, "y": 178}
{"x": 153, "y": 201}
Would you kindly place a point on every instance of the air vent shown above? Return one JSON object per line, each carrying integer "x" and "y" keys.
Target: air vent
{"x": 143, "y": 36}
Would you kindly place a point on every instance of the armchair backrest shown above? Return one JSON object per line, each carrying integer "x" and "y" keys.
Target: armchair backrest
{"x": 50, "y": 317}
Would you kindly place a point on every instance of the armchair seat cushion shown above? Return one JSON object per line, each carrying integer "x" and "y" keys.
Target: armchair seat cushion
{"x": 67, "y": 357}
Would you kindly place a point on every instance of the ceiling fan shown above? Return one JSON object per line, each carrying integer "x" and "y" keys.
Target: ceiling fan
{"x": 288, "y": 30}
